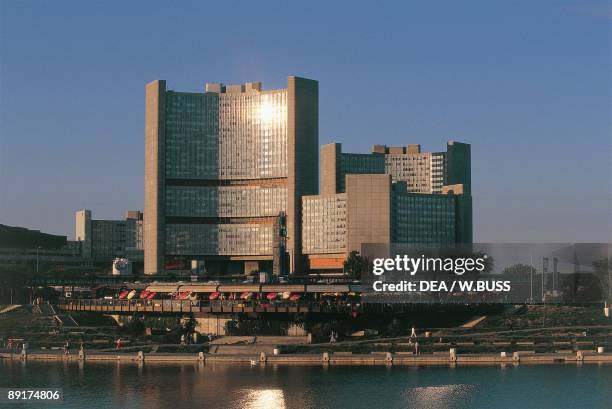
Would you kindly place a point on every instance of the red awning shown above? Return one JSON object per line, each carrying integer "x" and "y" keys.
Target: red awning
{"x": 151, "y": 295}
{"x": 180, "y": 295}
{"x": 214, "y": 295}
{"x": 246, "y": 295}
{"x": 123, "y": 294}
{"x": 144, "y": 294}
{"x": 271, "y": 296}
{"x": 295, "y": 297}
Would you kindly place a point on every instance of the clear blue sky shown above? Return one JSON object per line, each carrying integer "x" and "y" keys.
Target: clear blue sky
{"x": 527, "y": 83}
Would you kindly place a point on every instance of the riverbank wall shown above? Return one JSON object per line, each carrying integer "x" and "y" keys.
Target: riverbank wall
{"x": 376, "y": 358}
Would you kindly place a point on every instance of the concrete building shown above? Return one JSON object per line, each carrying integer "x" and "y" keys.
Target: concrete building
{"x": 373, "y": 209}
{"x": 393, "y": 195}
{"x": 23, "y": 250}
{"x": 103, "y": 240}
{"x": 336, "y": 224}
{"x": 220, "y": 167}
{"x": 423, "y": 172}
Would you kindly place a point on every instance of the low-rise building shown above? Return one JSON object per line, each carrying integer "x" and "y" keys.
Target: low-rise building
{"x": 23, "y": 250}
{"x": 103, "y": 240}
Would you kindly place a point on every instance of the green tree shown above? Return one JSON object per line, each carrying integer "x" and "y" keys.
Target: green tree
{"x": 489, "y": 262}
{"x": 231, "y": 327}
{"x": 353, "y": 265}
{"x": 133, "y": 325}
{"x": 190, "y": 325}
{"x": 582, "y": 288}
{"x": 519, "y": 271}
{"x": 603, "y": 270}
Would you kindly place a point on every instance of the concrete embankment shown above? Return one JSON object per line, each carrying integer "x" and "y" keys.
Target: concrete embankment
{"x": 377, "y": 358}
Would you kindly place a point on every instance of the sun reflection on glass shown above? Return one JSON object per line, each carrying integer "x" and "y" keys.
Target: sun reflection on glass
{"x": 267, "y": 112}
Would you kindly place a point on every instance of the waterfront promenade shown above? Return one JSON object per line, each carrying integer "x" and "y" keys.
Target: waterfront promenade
{"x": 338, "y": 358}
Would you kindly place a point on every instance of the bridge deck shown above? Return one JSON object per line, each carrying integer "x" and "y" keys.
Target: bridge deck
{"x": 193, "y": 307}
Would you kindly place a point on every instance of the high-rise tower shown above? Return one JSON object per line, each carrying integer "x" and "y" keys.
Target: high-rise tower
{"x": 220, "y": 167}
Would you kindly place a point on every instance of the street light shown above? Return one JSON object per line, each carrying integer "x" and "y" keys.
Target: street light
{"x": 37, "y": 248}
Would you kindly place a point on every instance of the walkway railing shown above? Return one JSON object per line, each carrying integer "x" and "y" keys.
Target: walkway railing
{"x": 199, "y": 306}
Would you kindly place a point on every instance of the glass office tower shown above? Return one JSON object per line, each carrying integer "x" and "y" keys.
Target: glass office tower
{"x": 220, "y": 167}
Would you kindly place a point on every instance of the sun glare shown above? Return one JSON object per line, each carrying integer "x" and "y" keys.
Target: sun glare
{"x": 267, "y": 112}
{"x": 266, "y": 398}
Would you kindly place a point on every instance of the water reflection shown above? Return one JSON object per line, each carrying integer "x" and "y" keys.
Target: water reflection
{"x": 101, "y": 385}
{"x": 264, "y": 399}
{"x": 440, "y": 396}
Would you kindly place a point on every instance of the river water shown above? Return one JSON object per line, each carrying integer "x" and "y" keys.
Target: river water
{"x": 178, "y": 386}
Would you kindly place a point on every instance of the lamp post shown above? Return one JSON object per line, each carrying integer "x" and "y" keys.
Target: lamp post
{"x": 37, "y": 248}
{"x": 531, "y": 268}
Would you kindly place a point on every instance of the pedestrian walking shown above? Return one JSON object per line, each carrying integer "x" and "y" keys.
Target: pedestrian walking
{"x": 413, "y": 334}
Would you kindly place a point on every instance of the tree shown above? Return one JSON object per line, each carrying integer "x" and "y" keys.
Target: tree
{"x": 581, "y": 288}
{"x": 133, "y": 325}
{"x": 489, "y": 262}
{"x": 603, "y": 270}
{"x": 353, "y": 265}
{"x": 519, "y": 272}
{"x": 190, "y": 325}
